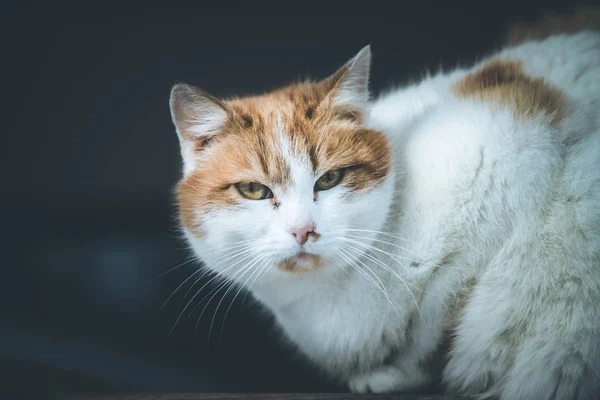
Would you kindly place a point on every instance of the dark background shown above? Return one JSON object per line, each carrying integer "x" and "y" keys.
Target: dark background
{"x": 89, "y": 159}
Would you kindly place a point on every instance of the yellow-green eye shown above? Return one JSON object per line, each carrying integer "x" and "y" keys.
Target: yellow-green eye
{"x": 330, "y": 179}
{"x": 254, "y": 190}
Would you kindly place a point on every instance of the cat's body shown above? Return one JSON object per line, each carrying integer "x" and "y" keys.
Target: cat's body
{"x": 481, "y": 233}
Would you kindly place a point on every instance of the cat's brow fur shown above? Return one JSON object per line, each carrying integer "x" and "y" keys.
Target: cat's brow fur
{"x": 463, "y": 243}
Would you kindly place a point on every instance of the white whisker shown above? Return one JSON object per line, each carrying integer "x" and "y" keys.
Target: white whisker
{"x": 388, "y": 243}
{"x": 379, "y": 233}
{"x": 395, "y": 257}
{"x": 366, "y": 266}
{"x": 178, "y": 287}
{"x": 387, "y": 267}
{"x": 243, "y": 243}
{"x": 258, "y": 270}
{"x": 377, "y": 249}
{"x": 227, "y": 281}
{"x": 262, "y": 272}
{"x": 384, "y": 292}
{"x": 172, "y": 269}
{"x": 193, "y": 297}
{"x": 224, "y": 282}
{"x": 398, "y": 276}
{"x": 223, "y": 259}
{"x": 233, "y": 282}
{"x": 360, "y": 271}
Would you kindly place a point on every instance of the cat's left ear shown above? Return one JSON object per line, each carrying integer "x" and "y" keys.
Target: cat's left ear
{"x": 349, "y": 91}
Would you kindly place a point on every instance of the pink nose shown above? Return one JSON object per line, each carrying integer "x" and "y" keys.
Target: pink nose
{"x": 301, "y": 234}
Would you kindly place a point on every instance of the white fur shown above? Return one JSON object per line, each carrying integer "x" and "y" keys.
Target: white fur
{"x": 491, "y": 232}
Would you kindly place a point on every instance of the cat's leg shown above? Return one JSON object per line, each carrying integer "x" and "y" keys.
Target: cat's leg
{"x": 389, "y": 378}
{"x": 383, "y": 379}
{"x": 548, "y": 370}
{"x": 417, "y": 362}
{"x": 530, "y": 329}
{"x": 410, "y": 369}
{"x": 541, "y": 359}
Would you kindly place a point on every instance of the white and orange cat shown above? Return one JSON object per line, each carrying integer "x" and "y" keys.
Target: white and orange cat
{"x": 460, "y": 212}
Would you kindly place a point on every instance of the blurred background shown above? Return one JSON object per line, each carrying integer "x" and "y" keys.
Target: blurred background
{"x": 90, "y": 158}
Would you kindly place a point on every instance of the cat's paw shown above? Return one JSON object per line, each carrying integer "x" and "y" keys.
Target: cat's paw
{"x": 382, "y": 380}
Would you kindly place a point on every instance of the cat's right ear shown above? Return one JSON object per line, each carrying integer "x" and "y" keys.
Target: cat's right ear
{"x": 197, "y": 116}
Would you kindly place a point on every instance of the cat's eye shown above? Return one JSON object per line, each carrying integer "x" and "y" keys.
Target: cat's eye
{"x": 254, "y": 190}
{"x": 329, "y": 179}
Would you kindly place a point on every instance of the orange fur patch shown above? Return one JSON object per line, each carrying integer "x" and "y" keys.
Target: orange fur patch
{"x": 247, "y": 148}
{"x": 504, "y": 82}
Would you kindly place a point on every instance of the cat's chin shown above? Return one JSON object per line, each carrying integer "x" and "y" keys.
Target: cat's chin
{"x": 301, "y": 262}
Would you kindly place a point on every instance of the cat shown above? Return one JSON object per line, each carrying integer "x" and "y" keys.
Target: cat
{"x": 460, "y": 211}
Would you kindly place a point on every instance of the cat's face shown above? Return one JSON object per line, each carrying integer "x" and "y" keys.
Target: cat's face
{"x": 276, "y": 184}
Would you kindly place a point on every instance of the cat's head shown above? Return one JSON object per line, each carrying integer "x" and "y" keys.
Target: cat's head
{"x": 281, "y": 182}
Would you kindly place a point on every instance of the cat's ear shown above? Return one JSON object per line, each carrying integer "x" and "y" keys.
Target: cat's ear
{"x": 197, "y": 116}
{"x": 350, "y": 84}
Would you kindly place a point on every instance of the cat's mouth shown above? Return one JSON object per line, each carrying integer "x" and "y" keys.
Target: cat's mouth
{"x": 301, "y": 262}
{"x": 303, "y": 255}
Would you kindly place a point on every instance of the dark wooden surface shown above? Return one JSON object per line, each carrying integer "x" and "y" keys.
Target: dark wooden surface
{"x": 266, "y": 396}
{"x": 28, "y": 381}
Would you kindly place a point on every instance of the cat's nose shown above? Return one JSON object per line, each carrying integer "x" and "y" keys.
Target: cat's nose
{"x": 301, "y": 234}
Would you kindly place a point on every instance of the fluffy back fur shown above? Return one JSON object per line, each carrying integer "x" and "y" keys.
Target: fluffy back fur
{"x": 467, "y": 215}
